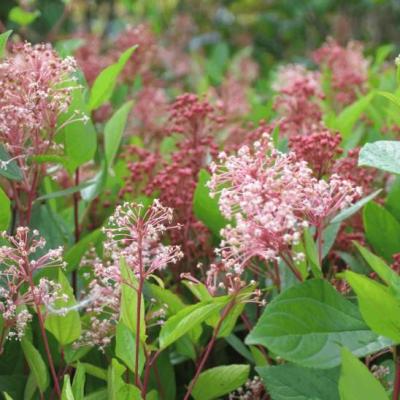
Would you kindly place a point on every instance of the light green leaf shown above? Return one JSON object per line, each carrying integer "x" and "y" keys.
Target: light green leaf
{"x": 5, "y": 211}
{"x": 129, "y": 301}
{"x": 308, "y": 323}
{"x": 63, "y": 193}
{"x": 117, "y": 388}
{"x": 379, "y": 308}
{"x": 65, "y": 327}
{"x": 381, "y": 230}
{"x": 78, "y": 384}
{"x": 125, "y": 348}
{"x": 206, "y": 208}
{"x": 379, "y": 266}
{"x": 95, "y": 371}
{"x": 292, "y": 382}
{"x": 80, "y": 137}
{"x": 3, "y": 42}
{"x": 67, "y": 390}
{"x": 187, "y": 319}
{"x": 22, "y": 17}
{"x": 216, "y": 382}
{"x": 113, "y": 131}
{"x": 346, "y": 120}
{"x": 348, "y": 212}
{"x": 36, "y": 364}
{"x": 356, "y": 382}
{"x": 105, "y": 82}
{"x": 383, "y": 155}
{"x": 390, "y": 96}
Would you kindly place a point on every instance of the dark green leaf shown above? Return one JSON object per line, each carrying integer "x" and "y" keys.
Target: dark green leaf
{"x": 381, "y": 230}
{"x": 206, "y": 208}
{"x": 309, "y": 322}
{"x": 9, "y": 169}
{"x": 36, "y": 364}
{"x": 292, "y": 382}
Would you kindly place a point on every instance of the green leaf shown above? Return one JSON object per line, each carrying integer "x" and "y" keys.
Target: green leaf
{"x": 218, "y": 381}
{"x": 129, "y": 301}
{"x": 74, "y": 255}
{"x": 289, "y": 381}
{"x": 95, "y": 371}
{"x": 390, "y": 96}
{"x": 36, "y": 364}
{"x": 356, "y": 382}
{"x": 78, "y": 384}
{"x": 80, "y": 137}
{"x": 5, "y": 211}
{"x": 206, "y": 208}
{"x": 383, "y": 155}
{"x": 125, "y": 348}
{"x": 383, "y": 270}
{"x": 63, "y": 193}
{"x": 22, "y": 17}
{"x": 113, "y": 131}
{"x": 105, "y": 82}
{"x": 117, "y": 388}
{"x": 348, "y": 212}
{"x": 173, "y": 301}
{"x": 3, "y": 42}
{"x": 67, "y": 390}
{"x": 309, "y": 322}
{"x": 379, "y": 308}
{"x": 30, "y": 387}
{"x": 393, "y": 199}
{"x": 187, "y": 319}
{"x": 65, "y": 327}
{"x": 346, "y": 120}
{"x": 381, "y": 230}
{"x": 9, "y": 169}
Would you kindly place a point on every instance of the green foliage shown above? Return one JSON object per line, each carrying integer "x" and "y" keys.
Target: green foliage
{"x": 3, "y": 42}
{"x": 319, "y": 318}
{"x": 383, "y": 155}
{"x": 290, "y": 381}
{"x": 5, "y": 212}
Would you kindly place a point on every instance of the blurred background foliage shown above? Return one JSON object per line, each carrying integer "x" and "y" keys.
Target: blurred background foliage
{"x": 276, "y": 29}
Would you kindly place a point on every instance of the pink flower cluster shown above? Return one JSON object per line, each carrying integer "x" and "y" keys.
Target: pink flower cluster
{"x": 348, "y": 67}
{"x": 134, "y": 234}
{"x": 36, "y": 88}
{"x": 297, "y": 100}
{"x": 18, "y": 291}
{"x": 271, "y": 197}
{"x": 319, "y": 149}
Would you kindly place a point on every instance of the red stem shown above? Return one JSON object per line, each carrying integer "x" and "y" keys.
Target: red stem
{"x": 48, "y": 353}
{"x": 149, "y": 363}
{"x": 226, "y": 311}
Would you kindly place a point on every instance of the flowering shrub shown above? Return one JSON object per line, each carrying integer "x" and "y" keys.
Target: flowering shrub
{"x": 172, "y": 227}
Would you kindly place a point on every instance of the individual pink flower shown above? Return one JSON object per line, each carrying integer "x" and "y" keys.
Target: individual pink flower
{"x": 348, "y": 67}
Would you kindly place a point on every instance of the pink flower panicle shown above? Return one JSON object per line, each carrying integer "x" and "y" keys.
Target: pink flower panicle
{"x": 319, "y": 149}
{"x": 348, "y": 67}
{"x": 297, "y": 101}
{"x": 135, "y": 235}
{"x": 271, "y": 197}
{"x": 36, "y": 88}
{"x": 18, "y": 269}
